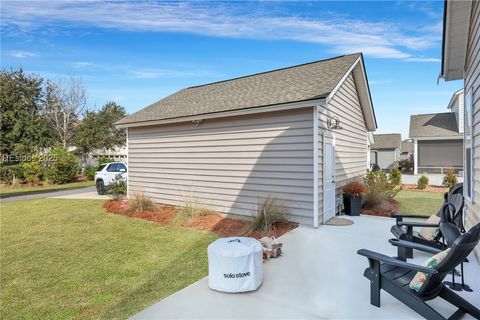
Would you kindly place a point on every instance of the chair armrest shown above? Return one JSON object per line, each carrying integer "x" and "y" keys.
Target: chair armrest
{"x": 418, "y": 224}
{"x": 406, "y": 215}
{"x": 371, "y": 255}
{"x": 413, "y": 245}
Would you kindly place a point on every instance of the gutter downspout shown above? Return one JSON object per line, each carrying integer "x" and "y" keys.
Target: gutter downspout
{"x": 315, "y": 166}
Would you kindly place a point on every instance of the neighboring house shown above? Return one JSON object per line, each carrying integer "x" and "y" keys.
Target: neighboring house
{"x": 406, "y": 150}
{"x": 461, "y": 60}
{"x": 297, "y": 133}
{"x": 385, "y": 152}
{"x": 117, "y": 154}
{"x": 438, "y": 139}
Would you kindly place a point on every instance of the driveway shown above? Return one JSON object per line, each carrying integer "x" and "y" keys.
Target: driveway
{"x": 320, "y": 276}
{"x": 78, "y": 193}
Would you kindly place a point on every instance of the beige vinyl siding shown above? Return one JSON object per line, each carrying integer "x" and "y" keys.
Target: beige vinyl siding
{"x": 227, "y": 164}
{"x": 472, "y": 81}
{"x": 351, "y": 140}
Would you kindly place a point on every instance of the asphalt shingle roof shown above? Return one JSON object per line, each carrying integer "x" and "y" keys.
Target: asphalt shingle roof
{"x": 298, "y": 83}
{"x": 407, "y": 146}
{"x": 434, "y": 125}
{"x": 387, "y": 141}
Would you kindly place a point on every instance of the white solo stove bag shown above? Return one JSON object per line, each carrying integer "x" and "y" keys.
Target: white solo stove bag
{"x": 235, "y": 264}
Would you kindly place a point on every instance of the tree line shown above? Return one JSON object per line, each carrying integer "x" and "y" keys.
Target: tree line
{"x": 38, "y": 115}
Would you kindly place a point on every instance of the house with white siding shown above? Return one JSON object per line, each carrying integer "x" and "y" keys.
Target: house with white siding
{"x": 461, "y": 61}
{"x": 298, "y": 134}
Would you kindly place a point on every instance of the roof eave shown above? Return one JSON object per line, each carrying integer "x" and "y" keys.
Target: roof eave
{"x": 456, "y": 18}
{"x": 223, "y": 114}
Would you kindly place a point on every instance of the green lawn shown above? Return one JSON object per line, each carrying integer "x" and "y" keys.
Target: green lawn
{"x": 9, "y": 190}
{"x": 419, "y": 202}
{"x": 68, "y": 259}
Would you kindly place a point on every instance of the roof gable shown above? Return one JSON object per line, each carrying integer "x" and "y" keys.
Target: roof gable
{"x": 311, "y": 81}
{"x": 387, "y": 141}
{"x": 434, "y": 125}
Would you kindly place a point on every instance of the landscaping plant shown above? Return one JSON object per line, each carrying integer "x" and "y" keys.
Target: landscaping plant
{"x": 406, "y": 165}
{"x": 269, "y": 212}
{"x": 63, "y": 166}
{"x": 396, "y": 176}
{"x": 450, "y": 178}
{"x": 422, "y": 182}
{"x": 352, "y": 197}
{"x": 139, "y": 202}
{"x": 192, "y": 208}
{"x": 379, "y": 190}
{"x": 9, "y": 173}
{"x": 117, "y": 189}
{"x": 90, "y": 172}
{"x": 32, "y": 170}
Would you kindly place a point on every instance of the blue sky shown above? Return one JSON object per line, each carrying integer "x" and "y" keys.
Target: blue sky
{"x": 135, "y": 53}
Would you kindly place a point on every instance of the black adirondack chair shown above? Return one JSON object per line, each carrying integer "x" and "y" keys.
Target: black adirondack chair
{"x": 394, "y": 276}
{"x": 451, "y": 211}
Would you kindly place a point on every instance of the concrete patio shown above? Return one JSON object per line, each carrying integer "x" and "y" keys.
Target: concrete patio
{"x": 320, "y": 276}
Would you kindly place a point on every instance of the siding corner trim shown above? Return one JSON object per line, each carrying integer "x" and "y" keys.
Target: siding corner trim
{"x": 315, "y": 165}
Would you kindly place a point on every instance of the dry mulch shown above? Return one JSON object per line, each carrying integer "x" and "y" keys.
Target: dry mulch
{"x": 384, "y": 210}
{"x": 212, "y": 222}
{"x": 413, "y": 187}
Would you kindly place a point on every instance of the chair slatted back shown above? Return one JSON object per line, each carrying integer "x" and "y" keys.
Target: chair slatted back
{"x": 459, "y": 251}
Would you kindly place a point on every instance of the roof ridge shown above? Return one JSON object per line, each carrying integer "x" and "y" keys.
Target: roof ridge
{"x": 429, "y": 114}
{"x": 274, "y": 70}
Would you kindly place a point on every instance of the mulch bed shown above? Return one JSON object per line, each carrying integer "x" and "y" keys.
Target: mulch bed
{"x": 212, "y": 222}
{"x": 413, "y": 187}
{"x": 384, "y": 210}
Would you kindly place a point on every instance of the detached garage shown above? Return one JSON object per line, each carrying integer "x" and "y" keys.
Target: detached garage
{"x": 298, "y": 134}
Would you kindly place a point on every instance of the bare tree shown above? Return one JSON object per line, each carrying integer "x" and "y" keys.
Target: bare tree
{"x": 65, "y": 101}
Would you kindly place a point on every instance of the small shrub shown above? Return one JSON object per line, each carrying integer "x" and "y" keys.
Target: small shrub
{"x": 450, "y": 178}
{"x": 63, "y": 167}
{"x": 379, "y": 189}
{"x": 269, "y": 212}
{"x": 32, "y": 170}
{"x": 406, "y": 165}
{"x": 139, "y": 202}
{"x": 192, "y": 208}
{"x": 103, "y": 160}
{"x": 422, "y": 182}
{"x": 90, "y": 172}
{"x": 354, "y": 189}
{"x": 117, "y": 189}
{"x": 9, "y": 173}
{"x": 395, "y": 176}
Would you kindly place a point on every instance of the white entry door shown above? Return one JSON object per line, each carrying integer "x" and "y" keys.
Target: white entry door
{"x": 328, "y": 176}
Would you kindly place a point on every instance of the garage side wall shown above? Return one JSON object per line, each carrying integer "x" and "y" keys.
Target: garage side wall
{"x": 228, "y": 164}
{"x": 350, "y": 141}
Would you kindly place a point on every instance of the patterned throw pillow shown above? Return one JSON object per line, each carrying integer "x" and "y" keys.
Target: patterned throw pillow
{"x": 432, "y": 262}
{"x": 429, "y": 233}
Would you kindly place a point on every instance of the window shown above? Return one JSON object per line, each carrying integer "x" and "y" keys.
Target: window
{"x": 121, "y": 168}
{"x": 468, "y": 176}
{"x": 112, "y": 167}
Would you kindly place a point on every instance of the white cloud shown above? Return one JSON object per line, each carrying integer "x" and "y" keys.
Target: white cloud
{"x": 21, "y": 54}
{"x": 343, "y": 35}
{"x": 417, "y": 59}
{"x": 83, "y": 64}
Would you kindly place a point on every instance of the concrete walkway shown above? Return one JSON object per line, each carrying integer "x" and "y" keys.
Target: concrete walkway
{"x": 320, "y": 276}
{"x": 51, "y": 194}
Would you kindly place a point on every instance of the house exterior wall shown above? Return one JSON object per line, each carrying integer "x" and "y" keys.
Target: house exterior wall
{"x": 472, "y": 82}
{"x": 227, "y": 164}
{"x": 386, "y": 158}
{"x": 350, "y": 141}
{"x": 440, "y": 153}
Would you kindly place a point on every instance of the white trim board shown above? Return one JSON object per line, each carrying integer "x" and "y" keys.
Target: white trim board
{"x": 315, "y": 166}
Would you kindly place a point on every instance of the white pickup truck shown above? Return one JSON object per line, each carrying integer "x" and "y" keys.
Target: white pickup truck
{"x": 106, "y": 174}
